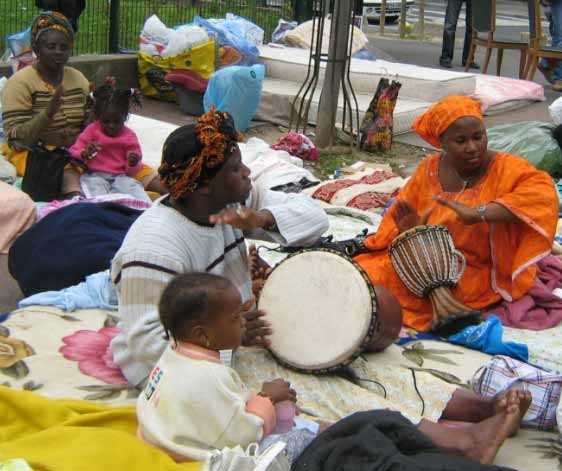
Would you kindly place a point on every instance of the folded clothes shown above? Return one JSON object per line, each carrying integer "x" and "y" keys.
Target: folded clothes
{"x": 97, "y": 292}
{"x": 44, "y": 209}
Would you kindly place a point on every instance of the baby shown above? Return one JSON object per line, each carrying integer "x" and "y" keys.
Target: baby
{"x": 108, "y": 149}
{"x": 194, "y": 402}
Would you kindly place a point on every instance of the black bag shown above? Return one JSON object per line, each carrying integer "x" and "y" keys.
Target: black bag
{"x": 44, "y": 169}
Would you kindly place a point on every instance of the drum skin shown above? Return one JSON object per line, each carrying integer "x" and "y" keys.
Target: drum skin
{"x": 324, "y": 311}
{"x": 389, "y": 321}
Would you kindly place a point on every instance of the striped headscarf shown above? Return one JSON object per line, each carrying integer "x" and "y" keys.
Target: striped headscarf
{"x": 193, "y": 154}
{"x": 438, "y": 118}
{"x": 51, "y": 21}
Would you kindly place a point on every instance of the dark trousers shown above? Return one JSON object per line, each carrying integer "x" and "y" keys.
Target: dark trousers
{"x": 451, "y": 20}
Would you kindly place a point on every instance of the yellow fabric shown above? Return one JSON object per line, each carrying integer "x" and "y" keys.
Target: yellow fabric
{"x": 67, "y": 435}
{"x": 199, "y": 59}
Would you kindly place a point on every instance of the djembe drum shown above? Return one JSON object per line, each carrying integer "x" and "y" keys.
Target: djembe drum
{"x": 324, "y": 312}
{"x": 428, "y": 264}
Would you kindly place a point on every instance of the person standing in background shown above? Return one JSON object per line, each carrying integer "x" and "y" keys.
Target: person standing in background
{"x": 72, "y": 9}
{"x": 451, "y": 19}
{"x": 552, "y": 68}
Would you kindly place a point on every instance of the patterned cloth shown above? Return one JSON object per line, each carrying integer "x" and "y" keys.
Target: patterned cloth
{"x": 298, "y": 145}
{"x": 437, "y": 119}
{"x": 51, "y": 21}
{"x": 502, "y": 373}
{"x": 369, "y": 191}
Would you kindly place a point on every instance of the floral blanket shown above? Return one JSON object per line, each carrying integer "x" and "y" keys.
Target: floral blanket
{"x": 63, "y": 355}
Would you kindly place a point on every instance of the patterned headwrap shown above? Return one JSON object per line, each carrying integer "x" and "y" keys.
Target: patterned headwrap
{"x": 51, "y": 21}
{"x": 193, "y": 154}
{"x": 437, "y": 119}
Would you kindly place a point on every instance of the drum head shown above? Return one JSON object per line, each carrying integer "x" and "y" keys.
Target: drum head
{"x": 321, "y": 309}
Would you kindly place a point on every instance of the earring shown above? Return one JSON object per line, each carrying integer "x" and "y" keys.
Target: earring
{"x": 207, "y": 343}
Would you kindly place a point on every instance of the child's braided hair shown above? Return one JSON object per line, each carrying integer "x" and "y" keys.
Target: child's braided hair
{"x": 109, "y": 96}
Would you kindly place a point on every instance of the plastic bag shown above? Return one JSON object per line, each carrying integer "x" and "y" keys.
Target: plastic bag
{"x": 531, "y": 140}
{"x": 283, "y": 27}
{"x": 153, "y": 69}
{"x": 20, "y": 52}
{"x": 3, "y": 81}
{"x": 245, "y": 29}
{"x": 231, "y": 33}
{"x": 236, "y": 90}
{"x": 555, "y": 110}
{"x": 156, "y": 39}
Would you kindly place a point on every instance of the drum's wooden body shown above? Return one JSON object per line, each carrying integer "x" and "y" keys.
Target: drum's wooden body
{"x": 324, "y": 312}
{"x": 427, "y": 262}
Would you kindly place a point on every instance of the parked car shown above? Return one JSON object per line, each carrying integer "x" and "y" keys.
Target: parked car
{"x": 372, "y": 10}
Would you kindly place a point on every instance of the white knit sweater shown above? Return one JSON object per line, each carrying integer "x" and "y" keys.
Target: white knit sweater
{"x": 191, "y": 407}
{"x": 163, "y": 243}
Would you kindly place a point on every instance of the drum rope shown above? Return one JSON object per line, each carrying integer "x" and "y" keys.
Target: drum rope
{"x": 418, "y": 391}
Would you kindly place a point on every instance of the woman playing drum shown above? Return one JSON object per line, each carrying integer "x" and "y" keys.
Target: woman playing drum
{"x": 500, "y": 211}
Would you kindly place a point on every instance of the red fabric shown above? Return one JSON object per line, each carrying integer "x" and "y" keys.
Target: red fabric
{"x": 539, "y": 309}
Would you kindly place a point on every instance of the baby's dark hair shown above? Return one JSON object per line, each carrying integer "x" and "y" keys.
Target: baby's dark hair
{"x": 189, "y": 298}
{"x": 109, "y": 96}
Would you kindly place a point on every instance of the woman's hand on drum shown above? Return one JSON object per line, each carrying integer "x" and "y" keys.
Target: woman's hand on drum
{"x": 257, "y": 329}
{"x": 465, "y": 213}
{"x": 278, "y": 390}
{"x": 405, "y": 217}
{"x": 243, "y": 218}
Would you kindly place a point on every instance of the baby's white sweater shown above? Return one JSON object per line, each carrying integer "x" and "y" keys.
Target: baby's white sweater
{"x": 191, "y": 407}
{"x": 163, "y": 243}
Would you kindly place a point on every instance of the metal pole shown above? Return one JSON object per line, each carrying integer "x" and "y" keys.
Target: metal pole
{"x": 382, "y": 20}
{"x": 114, "y": 9}
{"x": 421, "y": 20}
{"x": 403, "y": 10}
{"x": 335, "y": 68}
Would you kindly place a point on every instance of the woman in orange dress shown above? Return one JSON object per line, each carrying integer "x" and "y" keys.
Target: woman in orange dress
{"x": 500, "y": 210}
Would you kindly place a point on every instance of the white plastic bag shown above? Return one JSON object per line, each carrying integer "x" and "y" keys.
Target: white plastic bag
{"x": 555, "y": 110}
{"x": 238, "y": 459}
{"x": 183, "y": 38}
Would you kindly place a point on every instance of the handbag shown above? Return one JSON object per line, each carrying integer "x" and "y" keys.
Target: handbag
{"x": 272, "y": 458}
{"x": 44, "y": 170}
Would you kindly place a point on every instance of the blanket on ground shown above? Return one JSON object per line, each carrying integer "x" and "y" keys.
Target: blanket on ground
{"x": 540, "y": 308}
{"x": 69, "y": 435}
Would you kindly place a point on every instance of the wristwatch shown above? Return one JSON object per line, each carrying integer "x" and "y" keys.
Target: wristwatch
{"x": 481, "y": 211}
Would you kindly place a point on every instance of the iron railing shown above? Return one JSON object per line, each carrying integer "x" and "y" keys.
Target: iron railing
{"x": 113, "y": 25}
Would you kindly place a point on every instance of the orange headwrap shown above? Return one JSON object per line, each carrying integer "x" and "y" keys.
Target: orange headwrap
{"x": 438, "y": 118}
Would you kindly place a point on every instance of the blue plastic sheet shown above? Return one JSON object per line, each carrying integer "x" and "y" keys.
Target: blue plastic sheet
{"x": 236, "y": 90}
{"x": 234, "y": 32}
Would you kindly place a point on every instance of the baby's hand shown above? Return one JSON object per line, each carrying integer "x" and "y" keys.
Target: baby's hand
{"x": 278, "y": 391}
{"x": 91, "y": 150}
{"x": 133, "y": 159}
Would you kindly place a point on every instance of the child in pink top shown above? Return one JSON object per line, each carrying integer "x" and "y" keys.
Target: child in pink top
{"x": 108, "y": 149}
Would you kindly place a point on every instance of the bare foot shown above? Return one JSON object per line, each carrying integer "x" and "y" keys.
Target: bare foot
{"x": 522, "y": 398}
{"x": 488, "y": 436}
{"x": 259, "y": 270}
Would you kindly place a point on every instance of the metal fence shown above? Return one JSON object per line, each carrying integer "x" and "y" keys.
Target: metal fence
{"x": 107, "y": 25}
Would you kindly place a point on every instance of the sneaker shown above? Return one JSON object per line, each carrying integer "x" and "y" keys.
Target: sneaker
{"x": 547, "y": 72}
{"x": 473, "y": 65}
{"x": 557, "y": 86}
{"x": 446, "y": 64}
